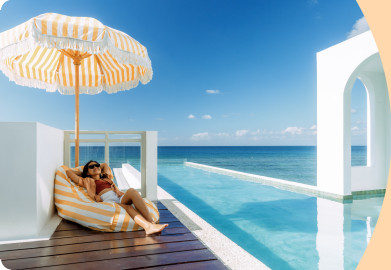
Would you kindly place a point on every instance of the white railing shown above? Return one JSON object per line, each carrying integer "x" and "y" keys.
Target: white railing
{"x": 148, "y": 154}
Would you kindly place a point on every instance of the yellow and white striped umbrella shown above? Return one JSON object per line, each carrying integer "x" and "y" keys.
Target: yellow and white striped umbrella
{"x": 73, "y": 55}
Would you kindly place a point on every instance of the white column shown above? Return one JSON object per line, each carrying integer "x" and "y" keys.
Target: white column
{"x": 149, "y": 165}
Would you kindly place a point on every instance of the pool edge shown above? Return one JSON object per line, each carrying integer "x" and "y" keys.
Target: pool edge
{"x": 291, "y": 186}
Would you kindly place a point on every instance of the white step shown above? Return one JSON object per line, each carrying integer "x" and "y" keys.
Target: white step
{"x": 132, "y": 176}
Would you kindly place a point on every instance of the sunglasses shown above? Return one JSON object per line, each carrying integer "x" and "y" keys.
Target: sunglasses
{"x": 97, "y": 165}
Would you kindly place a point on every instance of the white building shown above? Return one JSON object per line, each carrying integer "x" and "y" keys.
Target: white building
{"x": 338, "y": 68}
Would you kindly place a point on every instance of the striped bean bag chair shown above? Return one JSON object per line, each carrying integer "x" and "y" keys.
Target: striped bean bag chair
{"x": 74, "y": 204}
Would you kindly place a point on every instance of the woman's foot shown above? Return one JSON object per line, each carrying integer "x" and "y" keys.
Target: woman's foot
{"x": 155, "y": 228}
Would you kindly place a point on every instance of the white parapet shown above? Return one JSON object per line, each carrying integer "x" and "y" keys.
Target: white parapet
{"x": 30, "y": 154}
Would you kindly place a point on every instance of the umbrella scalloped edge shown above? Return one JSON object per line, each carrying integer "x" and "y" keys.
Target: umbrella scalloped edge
{"x": 59, "y": 43}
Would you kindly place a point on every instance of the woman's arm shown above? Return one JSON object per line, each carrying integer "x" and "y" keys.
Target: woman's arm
{"x": 117, "y": 190}
{"x": 106, "y": 170}
{"x": 75, "y": 176}
{"x": 87, "y": 183}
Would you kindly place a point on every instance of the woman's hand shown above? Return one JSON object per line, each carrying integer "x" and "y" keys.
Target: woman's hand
{"x": 88, "y": 179}
{"x": 98, "y": 198}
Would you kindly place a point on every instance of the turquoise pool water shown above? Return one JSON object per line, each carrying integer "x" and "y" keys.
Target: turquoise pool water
{"x": 282, "y": 229}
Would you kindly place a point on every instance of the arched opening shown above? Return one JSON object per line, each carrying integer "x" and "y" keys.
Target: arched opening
{"x": 358, "y": 124}
{"x": 366, "y": 153}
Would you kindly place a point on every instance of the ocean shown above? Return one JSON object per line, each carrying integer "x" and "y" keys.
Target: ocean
{"x": 292, "y": 163}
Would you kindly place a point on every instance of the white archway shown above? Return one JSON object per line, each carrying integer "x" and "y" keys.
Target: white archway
{"x": 373, "y": 176}
{"x": 338, "y": 68}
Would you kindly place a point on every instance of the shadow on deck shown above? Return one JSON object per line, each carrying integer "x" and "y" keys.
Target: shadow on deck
{"x": 75, "y": 247}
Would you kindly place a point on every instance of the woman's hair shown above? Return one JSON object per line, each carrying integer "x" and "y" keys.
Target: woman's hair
{"x": 84, "y": 174}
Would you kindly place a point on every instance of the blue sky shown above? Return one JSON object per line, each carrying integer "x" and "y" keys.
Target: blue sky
{"x": 225, "y": 72}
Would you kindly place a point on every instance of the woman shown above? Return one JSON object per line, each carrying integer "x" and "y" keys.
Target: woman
{"x": 98, "y": 181}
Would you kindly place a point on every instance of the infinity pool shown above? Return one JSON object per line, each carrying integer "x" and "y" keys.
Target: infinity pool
{"x": 282, "y": 229}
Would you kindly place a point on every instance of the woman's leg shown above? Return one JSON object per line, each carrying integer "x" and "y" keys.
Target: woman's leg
{"x": 132, "y": 196}
{"x": 150, "y": 228}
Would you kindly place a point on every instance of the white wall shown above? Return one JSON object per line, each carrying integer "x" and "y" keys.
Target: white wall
{"x": 29, "y": 156}
{"x": 338, "y": 68}
{"x": 50, "y": 154}
{"x": 18, "y": 185}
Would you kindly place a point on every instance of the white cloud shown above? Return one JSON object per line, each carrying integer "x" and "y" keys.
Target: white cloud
{"x": 223, "y": 134}
{"x": 200, "y": 136}
{"x": 314, "y": 129}
{"x": 293, "y": 130}
{"x": 355, "y": 128}
{"x": 257, "y": 132}
{"x": 240, "y": 133}
{"x": 2, "y": 3}
{"x": 359, "y": 27}
{"x": 191, "y": 116}
{"x": 206, "y": 116}
{"x": 213, "y": 91}
{"x": 353, "y": 111}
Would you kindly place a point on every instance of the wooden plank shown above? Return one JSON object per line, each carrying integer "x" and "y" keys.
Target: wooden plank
{"x": 165, "y": 214}
{"x": 167, "y": 219}
{"x": 137, "y": 262}
{"x": 204, "y": 265}
{"x": 108, "y": 254}
{"x": 92, "y": 238}
{"x": 140, "y": 233}
{"x": 89, "y": 246}
{"x": 160, "y": 205}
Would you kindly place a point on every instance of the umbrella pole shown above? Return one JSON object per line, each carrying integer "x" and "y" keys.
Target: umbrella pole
{"x": 76, "y": 62}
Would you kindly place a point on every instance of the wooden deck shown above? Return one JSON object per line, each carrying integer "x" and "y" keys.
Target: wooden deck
{"x": 75, "y": 247}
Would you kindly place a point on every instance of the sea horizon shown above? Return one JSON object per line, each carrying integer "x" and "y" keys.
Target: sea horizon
{"x": 291, "y": 163}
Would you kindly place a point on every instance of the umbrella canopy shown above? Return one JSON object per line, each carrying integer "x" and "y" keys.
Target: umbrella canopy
{"x": 73, "y": 55}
